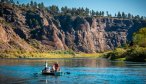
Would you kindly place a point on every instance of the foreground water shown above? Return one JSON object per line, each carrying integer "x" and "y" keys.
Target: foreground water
{"x": 82, "y": 71}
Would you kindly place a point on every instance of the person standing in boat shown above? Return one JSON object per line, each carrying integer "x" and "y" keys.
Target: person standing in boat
{"x": 46, "y": 69}
{"x": 56, "y": 67}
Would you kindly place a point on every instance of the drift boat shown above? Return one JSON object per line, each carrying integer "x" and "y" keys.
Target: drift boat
{"x": 47, "y": 71}
{"x": 44, "y": 72}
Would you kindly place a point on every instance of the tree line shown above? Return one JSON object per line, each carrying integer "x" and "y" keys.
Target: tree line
{"x": 55, "y": 10}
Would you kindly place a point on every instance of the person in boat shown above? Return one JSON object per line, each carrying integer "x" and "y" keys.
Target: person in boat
{"x": 46, "y": 69}
{"x": 56, "y": 67}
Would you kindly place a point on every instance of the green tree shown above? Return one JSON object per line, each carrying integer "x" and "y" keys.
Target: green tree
{"x": 54, "y": 9}
{"x": 97, "y": 13}
{"x": 64, "y": 10}
{"x": 142, "y": 18}
{"x": 123, "y": 15}
{"x": 17, "y": 2}
{"x": 102, "y": 13}
{"x": 139, "y": 38}
{"x": 115, "y": 15}
{"x": 87, "y": 11}
{"x": 129, "y": 16}
{"x": 6, "y": 1}
{"x": 41, "y": 5}
{"x": 107, "y": 13}
{"x": 119, "y": 15}
{"x": 11, "y": 1}
{"x": 23, "y": 5}
{"x": 73, "y": 11}
{"x": 35, "y": 4}
{"x": 31, "y": 3}
{"x": 93, "y": 13}
{"x": 34, "y": 22}
{"x": 110, "y": 15}
{"x": 137, "y": 17}
{"x": 30, "y": 23}
{"x": 2, "y": 1}
{"x": 27, "y": 5}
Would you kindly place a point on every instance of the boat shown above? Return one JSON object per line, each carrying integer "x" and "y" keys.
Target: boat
{"x": 47, "y": 71}
{"x": 52, "y": 73}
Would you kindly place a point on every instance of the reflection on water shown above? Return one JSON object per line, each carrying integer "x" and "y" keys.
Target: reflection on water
{"x": 83, "y": 71}
{"x": 62, "y": 62}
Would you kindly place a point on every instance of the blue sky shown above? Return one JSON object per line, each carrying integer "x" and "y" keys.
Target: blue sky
{"x": 135, "y": 7}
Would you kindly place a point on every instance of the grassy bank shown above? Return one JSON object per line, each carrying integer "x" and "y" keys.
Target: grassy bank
{"x": 136, "y": 54}
{"x": 49, "y": 54}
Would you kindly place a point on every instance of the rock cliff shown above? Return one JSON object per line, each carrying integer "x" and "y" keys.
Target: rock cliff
{"x": 37, "y": 30}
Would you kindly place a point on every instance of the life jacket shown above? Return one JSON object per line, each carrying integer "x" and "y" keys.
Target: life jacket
{"x": 56, "y": 66}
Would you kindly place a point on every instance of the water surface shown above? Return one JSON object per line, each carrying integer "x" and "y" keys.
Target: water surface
{"x": 82, "y": 71}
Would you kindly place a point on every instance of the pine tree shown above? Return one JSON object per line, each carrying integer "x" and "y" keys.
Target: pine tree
{"x": 27, "y": 5}
{"x": 2, "y": 1}
{"x": 129, "y": 16}
{"x": 102, "y": 13}
{"x": 93, "y": 13}
{"x": 97, "y": 13}
{"x": 107, "y": 13}
{"x": 115, "y": 15}
{"x": 30, "y": 23}
{"x": 5, "y": 1}
{"x": 87, "y": 11}
{"x": 119, "y": 15}
{"x": 64, "y": 9}
{"x": 31, "y": 3}
{"x": 123, "y": 15}
{"x": 17, "y": 2}
{"x": 11, "y": 1}
{"x": 35, "y": 4}
{"x": 41, "y": 5}
{"x": 23, "y": 5}
{"x": 73, "y": 11}
{"x": 142, "y": 18}
{"x": 110, "y": 15}
{"x": 137, "y": 17}
{"x": 54, "y": 9}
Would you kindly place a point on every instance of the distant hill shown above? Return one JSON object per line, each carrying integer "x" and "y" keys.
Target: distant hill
{"x": 34, "y": 27}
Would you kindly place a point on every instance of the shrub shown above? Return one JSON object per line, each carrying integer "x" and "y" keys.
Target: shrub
{"x": 117, "y": 53}
{"x": 137, "y": 54}
{"x": 139, "y": 37}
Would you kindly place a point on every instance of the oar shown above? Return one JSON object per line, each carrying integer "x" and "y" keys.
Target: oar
{"x": 37, "y": 73}
{"x": 67, "y": 72}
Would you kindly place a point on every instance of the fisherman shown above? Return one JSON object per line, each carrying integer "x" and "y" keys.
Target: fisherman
{"x": 46, "y": 69}
{"x": 56, "y": 67}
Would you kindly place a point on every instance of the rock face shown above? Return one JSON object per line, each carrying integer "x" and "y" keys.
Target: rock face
{"x": 9, "y": 40}
{"x": 37, "y": 30}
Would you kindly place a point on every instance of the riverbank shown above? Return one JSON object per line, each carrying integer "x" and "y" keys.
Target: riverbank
{"x": 135, "y": 54}
{"x": 49, "y": 54}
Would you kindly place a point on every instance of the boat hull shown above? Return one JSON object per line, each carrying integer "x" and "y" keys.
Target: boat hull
{"x": 52, "y": 73}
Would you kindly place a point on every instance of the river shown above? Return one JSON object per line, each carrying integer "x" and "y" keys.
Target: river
{"x": 82, "y": 71}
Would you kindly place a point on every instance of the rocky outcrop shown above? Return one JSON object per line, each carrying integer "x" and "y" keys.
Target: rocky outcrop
{"x": 37, "y": 30}
{"x": 9, "y": 40}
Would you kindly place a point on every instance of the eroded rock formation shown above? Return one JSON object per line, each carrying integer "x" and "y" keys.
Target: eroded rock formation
{"x": 37, "y": 30}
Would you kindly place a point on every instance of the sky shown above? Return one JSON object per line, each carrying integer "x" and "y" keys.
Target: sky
{"x": 135, "y": 7}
